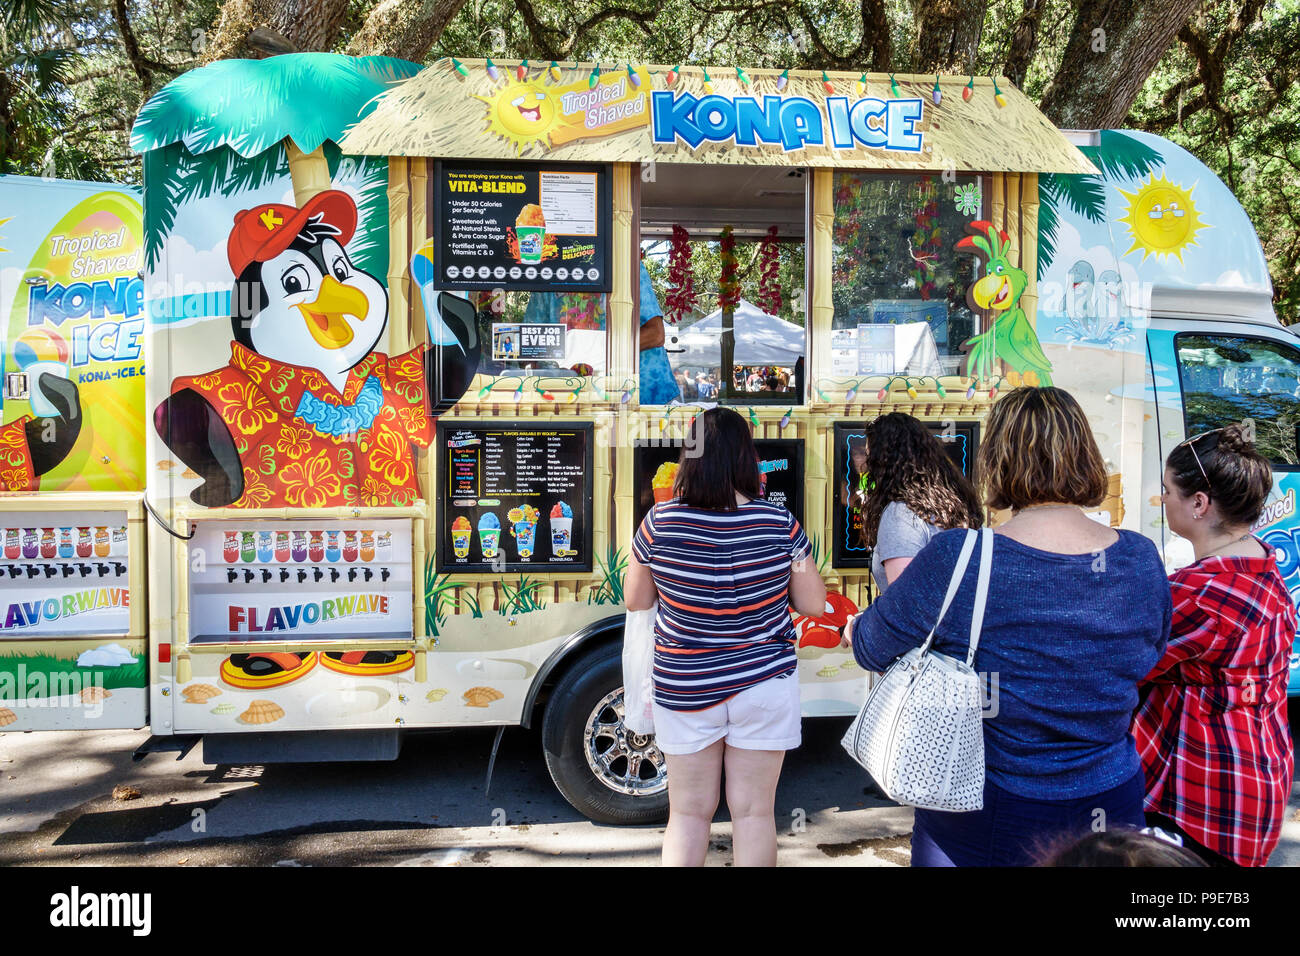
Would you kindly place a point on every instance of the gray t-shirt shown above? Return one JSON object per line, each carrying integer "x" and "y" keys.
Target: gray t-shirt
{"x": 901, "y": 535}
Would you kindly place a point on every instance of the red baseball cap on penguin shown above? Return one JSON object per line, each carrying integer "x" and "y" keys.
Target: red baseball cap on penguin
{"x": 263, "y": 232}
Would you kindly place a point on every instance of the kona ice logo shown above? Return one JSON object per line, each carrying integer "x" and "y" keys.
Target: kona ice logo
{"x": 290, "y": 617}
{"x": 32, "y": 613}
{"x": 791, "y": 122}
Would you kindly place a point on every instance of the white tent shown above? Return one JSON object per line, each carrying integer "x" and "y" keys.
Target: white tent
{"x": 761, "y": 339}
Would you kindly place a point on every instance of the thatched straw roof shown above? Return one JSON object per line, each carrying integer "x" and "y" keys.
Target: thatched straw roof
{"x": 439, "y": 113}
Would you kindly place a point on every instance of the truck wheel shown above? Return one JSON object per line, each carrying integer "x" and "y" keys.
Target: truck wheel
{"x": 607, "y": 773}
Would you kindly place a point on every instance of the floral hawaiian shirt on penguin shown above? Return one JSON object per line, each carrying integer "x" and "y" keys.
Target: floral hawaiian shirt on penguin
{"x": 303, "y": 445}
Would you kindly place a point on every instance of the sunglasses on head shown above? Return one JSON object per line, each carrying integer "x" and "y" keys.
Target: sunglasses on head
{"x": 1191, "y": 444}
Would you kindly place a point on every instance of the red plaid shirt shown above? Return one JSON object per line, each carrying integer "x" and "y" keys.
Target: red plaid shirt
{"x": 1212, "y": 729}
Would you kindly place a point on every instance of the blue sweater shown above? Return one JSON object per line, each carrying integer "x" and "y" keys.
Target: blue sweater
{"x": 1068, "y": 636}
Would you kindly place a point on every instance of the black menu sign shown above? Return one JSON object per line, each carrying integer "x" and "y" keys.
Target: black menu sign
{"x": 515, "y": 496}
{"x": 780, "y": 469}
{"x": 522, "y": 226}
{"x": 849, "y": 485}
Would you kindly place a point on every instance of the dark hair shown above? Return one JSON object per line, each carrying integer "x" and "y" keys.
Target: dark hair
{"x": 1237, "y": 478}
{"x": 1124, "y": 847}
{"x": 906, "y": 463}
{"x": 773, "y": 382}
{"x": 1038, "y": 447}
{"x": 718, "y": 461}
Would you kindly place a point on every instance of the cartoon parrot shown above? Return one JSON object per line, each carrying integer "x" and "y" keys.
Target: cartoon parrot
{"x": 1011, "y": 338}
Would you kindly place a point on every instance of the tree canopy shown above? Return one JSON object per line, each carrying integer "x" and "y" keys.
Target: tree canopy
{"x": 1218, "y": 77}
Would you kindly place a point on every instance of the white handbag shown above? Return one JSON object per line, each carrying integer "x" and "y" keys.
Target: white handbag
{"x": 919, "y": 734}
{"x": 638, "y": 670}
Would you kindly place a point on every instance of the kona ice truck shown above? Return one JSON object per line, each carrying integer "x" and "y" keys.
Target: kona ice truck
{"x": 396, "y": 432}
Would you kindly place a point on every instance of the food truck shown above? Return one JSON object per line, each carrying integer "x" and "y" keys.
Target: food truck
{"x": 398, "y": 426}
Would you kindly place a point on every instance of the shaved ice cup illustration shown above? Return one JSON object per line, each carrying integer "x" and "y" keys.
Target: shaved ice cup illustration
{"x": 489, "y": 534}
{"x": 523, "y": 522}
{"x": 663, "y": 481}
{"x": 460, "y": 535}
{"x": 561, "y": 529}
{"x": 530, "y": 228}
{"x": 38, "y": 352}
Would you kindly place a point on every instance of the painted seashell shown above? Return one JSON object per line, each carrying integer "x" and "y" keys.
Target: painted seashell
{"x": 199, "y": 693}
{"x": 7, "y": 716}
{"x": 481, "y": 696}
{"x": 262, "y": 712}
{"x": 226, "y": 708}
{"x": 850, "y": 666}
{"x": 189, "y": 473}
{"x": 436, "y": 694}
{"x": 166, "y": 465}
{"x": 829, "y": 670}
{"x": 92, "y": 694}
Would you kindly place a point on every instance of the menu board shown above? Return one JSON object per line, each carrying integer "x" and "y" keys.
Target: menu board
{"x": 522, "y": 227}
{"x": 515, "y": 496}
{"x": 959, "y": 440}
{"x": 780, "y": 473}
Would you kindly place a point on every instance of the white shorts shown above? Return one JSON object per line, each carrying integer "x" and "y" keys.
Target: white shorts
{"x": 762, "y": 717}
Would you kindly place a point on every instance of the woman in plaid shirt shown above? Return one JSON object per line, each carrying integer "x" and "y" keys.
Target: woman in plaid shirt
{"x": 1212, "y": 728}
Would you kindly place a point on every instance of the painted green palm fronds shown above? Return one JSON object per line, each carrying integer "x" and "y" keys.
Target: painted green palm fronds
{"x": 251, "y": 105}
{"x": 366, "y": 177}
{"x": 1083, "y": 195}
{"x": 822, "y": 561}
{"x": 613, "y": 571}
{"x": 1122, "y": 157}
{"x": 185, "y": 178}
{"x": 522, "y": 598}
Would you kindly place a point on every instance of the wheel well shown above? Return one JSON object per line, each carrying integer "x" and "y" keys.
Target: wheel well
{"x": 594, "y": 636}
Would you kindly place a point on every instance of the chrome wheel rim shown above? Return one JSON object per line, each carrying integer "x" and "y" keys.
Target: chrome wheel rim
{"x": 624, "y": 762}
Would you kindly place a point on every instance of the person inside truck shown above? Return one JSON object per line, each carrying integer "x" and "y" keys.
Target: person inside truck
{"x": 1212, "y": 729}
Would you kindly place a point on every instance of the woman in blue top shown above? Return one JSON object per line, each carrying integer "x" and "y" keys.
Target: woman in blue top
{"x": 1077, "y": 614}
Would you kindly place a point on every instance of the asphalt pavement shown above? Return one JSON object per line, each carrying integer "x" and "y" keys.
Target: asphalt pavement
{"x": 77, "y": 798}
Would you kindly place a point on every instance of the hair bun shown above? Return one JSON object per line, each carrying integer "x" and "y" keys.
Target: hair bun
{"x": 1233, "y": 439}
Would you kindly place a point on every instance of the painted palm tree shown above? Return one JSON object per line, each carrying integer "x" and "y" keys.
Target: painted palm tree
{"x": 1117, "y": 156}
{"x": 217, "y": 129}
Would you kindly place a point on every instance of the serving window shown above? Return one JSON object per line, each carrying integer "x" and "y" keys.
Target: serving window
{"x": 898, "y": 284}
{"x": 558, "y": 333}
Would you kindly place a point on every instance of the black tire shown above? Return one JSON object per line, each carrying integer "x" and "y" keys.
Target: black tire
{"x": 589, "y": 681}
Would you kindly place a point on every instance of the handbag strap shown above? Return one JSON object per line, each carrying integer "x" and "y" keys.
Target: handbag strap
{"x": 981, "y": 593}
{"x": 958, "y": 573}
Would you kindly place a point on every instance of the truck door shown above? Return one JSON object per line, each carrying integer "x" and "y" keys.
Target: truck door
{"x": 1210, "y": 374}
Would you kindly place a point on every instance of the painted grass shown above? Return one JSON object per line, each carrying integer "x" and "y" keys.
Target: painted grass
{"x": 128, "y": 675}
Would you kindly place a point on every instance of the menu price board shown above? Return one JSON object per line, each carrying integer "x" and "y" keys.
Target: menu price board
{"x": 780, "y": 472}
{"x": 522, "y": 227}
{"x": 515, "y": 496}
{"x": 959, "y": 440}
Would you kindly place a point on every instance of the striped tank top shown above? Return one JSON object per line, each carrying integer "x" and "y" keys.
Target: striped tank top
{"x": 723, "y": 579}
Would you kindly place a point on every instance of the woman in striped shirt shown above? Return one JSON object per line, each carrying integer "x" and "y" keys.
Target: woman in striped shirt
{"x": 725, "y": 566}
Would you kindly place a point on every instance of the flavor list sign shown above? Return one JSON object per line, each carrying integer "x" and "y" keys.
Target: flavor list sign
{"x": 851, "y": 481}
{"x": 518, "y": 226}
{"x": 515, "y": 497}
{"x": 780, "y": 472}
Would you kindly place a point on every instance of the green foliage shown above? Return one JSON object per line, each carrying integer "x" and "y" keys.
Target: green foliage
{"x": 55, "y": 668}
{"x": 523, "y": 598}
{"x": 613, "y": 571}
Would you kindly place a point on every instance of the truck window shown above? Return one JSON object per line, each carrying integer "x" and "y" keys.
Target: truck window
{"x": 897, "y": 282}
{"x": 541, "y": 333}
{"x": 1230, "y": 378}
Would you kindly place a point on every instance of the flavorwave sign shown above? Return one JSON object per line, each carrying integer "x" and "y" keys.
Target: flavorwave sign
{"x": 245, "y": 619}
{"x": 790, "y": 122}
{"x": 104, "y": 610}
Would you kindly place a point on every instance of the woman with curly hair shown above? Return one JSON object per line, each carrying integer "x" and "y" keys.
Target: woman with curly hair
{"x": 915, "y": 492}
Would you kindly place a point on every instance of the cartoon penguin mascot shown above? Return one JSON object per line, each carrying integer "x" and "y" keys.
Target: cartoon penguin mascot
{"x": 29, "y": 447}
{"x": 308, "y": 414}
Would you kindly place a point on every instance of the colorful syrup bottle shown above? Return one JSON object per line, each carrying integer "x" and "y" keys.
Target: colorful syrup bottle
{"x": 316, "y": 547}
{"x": 298, "y": 545}
{"x": 385, "y": 546}
{"x": 119, "y": 541}
{"x": 103, "y": 543}
{"x": 49, "y": 546}
{"x": 265, "y": 545}
{"x": 86, "y": 546}
{"x": 349, "y": 546}
{"x": 31, "y": 543}
{"x": 367, "y": 546}
{"x": 230, "y": 549}
{"x": 282, "y": 546}
{"x": 66, "y": 546}
{"x": 332, "y": 551}
{"x": 13, "y": 544}
{"x": 247, "y": 547}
